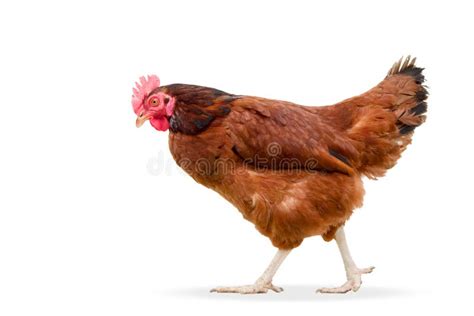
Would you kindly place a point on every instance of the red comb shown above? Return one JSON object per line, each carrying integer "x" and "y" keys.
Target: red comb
{"x": 141, "y": 91}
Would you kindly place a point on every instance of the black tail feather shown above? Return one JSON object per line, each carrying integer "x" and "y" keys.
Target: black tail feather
{"x": 407, "y": 67}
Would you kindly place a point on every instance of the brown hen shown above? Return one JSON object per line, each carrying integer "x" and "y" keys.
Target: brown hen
{"x": 294, "y": 171}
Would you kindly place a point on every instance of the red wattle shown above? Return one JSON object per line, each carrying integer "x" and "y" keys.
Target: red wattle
{"x": 160, "y": 124}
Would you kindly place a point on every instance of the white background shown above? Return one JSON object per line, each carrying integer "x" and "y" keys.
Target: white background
{"x": 95, "y": 219}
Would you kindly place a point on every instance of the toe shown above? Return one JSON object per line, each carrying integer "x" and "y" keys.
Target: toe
{"x": 367, "y": 270}
{"x": 246, "y": 289}
{"x": 229, "y": 289}
{"x": 351, "y": 285}
{"x": 334, "y": 290}
{"x": 356, "y": 286}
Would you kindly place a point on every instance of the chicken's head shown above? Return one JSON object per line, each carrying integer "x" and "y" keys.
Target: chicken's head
{"x": 149, "y": 103}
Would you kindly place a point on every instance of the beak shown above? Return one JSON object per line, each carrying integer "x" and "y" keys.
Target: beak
{"x": 141, "y": 119}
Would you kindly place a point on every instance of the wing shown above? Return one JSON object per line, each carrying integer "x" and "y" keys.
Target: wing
{"x": 282, "y": 135}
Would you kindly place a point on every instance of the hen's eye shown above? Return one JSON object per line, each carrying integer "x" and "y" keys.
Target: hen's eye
{"x": 154, "y": 101}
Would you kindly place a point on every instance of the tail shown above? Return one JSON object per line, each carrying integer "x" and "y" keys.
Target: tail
{"x": 381, "y": 122}
{"x": 411, "y": 111}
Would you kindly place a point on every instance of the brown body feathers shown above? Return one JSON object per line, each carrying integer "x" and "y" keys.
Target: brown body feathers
{"x": 295, "y": 171}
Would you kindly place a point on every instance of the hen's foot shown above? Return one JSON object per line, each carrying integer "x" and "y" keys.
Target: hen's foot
{"x": 353, "y": 282}
{"x": 256, "y": 288}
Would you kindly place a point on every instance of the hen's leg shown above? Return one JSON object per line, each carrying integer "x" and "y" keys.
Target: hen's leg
{"x": 353, "y": 273}
{"x": 264, "y": 283}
